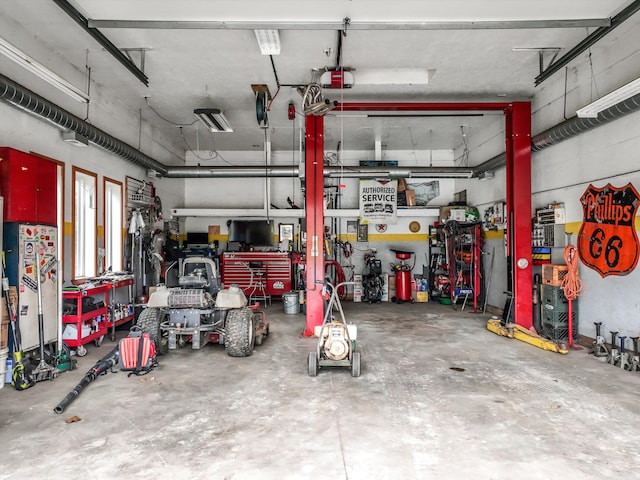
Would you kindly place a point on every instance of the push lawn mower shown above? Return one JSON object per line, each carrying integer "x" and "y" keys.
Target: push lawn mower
{"x": 336, "y": 345}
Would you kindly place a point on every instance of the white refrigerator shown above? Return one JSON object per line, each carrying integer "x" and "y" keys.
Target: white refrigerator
{"x": 25, "y": 244}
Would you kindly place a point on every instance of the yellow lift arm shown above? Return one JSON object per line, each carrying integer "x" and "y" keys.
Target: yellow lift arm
{"x": 512, "y": 330}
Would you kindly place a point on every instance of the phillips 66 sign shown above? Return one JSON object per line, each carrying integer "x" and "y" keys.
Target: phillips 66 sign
{"x": 608, "y": 242}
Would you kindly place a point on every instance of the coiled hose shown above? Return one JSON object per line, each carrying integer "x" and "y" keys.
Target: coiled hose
{"x": 571, "y": 283}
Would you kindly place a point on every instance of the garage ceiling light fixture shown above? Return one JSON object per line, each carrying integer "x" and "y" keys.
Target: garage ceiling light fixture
{"x": 615, "y": 97}
{"x": 268, "y": 41}
{"x": 13, "y": 53}
{"x": 214, "y": 119}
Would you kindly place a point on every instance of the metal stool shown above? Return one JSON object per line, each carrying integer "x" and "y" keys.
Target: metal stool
{"x": 258, "y": 284}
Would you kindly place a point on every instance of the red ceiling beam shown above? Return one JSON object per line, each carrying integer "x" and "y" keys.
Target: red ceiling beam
{"x": 420, "y": 106}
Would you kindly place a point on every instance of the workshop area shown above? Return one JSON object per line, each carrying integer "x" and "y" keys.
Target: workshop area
{"x": 344, "y": 240}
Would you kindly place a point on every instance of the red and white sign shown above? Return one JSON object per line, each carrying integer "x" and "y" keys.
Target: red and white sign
{"x": 608, "y": 242}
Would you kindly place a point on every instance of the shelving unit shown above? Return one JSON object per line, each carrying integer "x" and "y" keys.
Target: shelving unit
{"x": 91, "y": 325}
{"x": 464, "y": 244}
{"x": 438, "y": 269}
{"x": 120, "y": 303}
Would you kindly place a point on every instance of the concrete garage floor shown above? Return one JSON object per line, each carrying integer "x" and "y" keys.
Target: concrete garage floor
{"x": 515, "y": 412}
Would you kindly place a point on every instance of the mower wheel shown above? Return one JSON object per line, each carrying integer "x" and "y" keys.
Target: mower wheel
{"x": 239, "y": 338}
{"x": 149, "y": 322}
{"x": 313, "y": 364}
{"x": 355, "y": 364}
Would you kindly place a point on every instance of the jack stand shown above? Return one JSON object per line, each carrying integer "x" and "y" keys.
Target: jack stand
{"x": 614, "y": 356}
{"x": 635, "y": 360}
{"x": 624, "y": 356}
{"x": 599, "y": 346}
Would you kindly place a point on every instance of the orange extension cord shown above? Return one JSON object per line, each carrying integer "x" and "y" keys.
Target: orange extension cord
{"x": 571, "y": 283}
{"x": 572, "y": 286}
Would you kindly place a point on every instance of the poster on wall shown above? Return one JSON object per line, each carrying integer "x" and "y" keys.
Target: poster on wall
{"x": 378, "y": 201}
{"x": 608, "y": 242}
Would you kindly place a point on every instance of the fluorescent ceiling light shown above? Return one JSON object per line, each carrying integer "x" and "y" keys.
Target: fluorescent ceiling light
{"x": 393, "y": 76}
{"x": 214, "y": 119}
{"x": 268, "y": 41}
{"x": 617, "y": 96}
{"x": 25, "y": 61}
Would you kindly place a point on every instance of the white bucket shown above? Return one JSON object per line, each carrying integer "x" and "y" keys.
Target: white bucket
{"x": 291, "y": 301}
{"x": 4, "y": 353}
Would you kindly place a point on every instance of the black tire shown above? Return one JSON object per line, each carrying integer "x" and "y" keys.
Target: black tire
{"x": 149, "y": 322}
{"x": 239, "y": 334}
{"x": 259, "y": 339}
{"x": 355, "y": 364}
{"x": 313, "y": 364}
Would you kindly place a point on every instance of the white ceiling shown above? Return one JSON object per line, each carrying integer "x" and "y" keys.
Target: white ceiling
{"x": 215, "y": 67}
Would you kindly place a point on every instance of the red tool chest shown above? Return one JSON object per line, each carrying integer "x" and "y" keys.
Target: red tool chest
{"x": 237, "y": 268}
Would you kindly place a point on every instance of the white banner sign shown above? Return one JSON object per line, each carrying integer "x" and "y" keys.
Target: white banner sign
{"x": 378, "y": 201}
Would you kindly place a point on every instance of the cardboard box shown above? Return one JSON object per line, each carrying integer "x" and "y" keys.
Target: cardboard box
{"x": 411, "y": 198}
{"x": 357, "y": 288}
{"x": 4, "y": 336}
{"x": 445, "y": 213}
{"x": 392, "y": 287}
{"x": 458, "y": 214}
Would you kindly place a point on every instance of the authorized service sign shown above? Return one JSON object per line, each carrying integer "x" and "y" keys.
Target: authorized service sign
{"x": 607, "y": 241}
{"x": 378, "y": 201}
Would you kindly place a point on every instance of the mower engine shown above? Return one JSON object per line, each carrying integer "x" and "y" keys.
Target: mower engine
{"x": 336, "y": 340}
{"x": 335, "y": 346}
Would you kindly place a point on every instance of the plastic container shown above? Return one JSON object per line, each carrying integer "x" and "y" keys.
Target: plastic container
{"x": 291, "y": 301}
{"x": 4, "y": 353}
{"x": 9, "y": 374}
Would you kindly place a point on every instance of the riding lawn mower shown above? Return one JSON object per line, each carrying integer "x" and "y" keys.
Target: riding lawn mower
{"x": 199, "y": 312}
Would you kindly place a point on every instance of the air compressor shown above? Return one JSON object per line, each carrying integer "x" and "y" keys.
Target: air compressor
{"x": 402, "y": 273}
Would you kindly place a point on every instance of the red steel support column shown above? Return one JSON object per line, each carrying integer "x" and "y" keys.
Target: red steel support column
{"x": 314, "y": 208}
{"x": 518, "y": 153}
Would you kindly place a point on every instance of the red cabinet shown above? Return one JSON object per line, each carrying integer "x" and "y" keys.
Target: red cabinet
{"x": 240, "y": 267}
{"x": 28, "y": 185}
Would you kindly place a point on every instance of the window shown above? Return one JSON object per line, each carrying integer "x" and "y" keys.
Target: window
{"x": 85, "y": 213}
{"x": 112, "y": 225}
